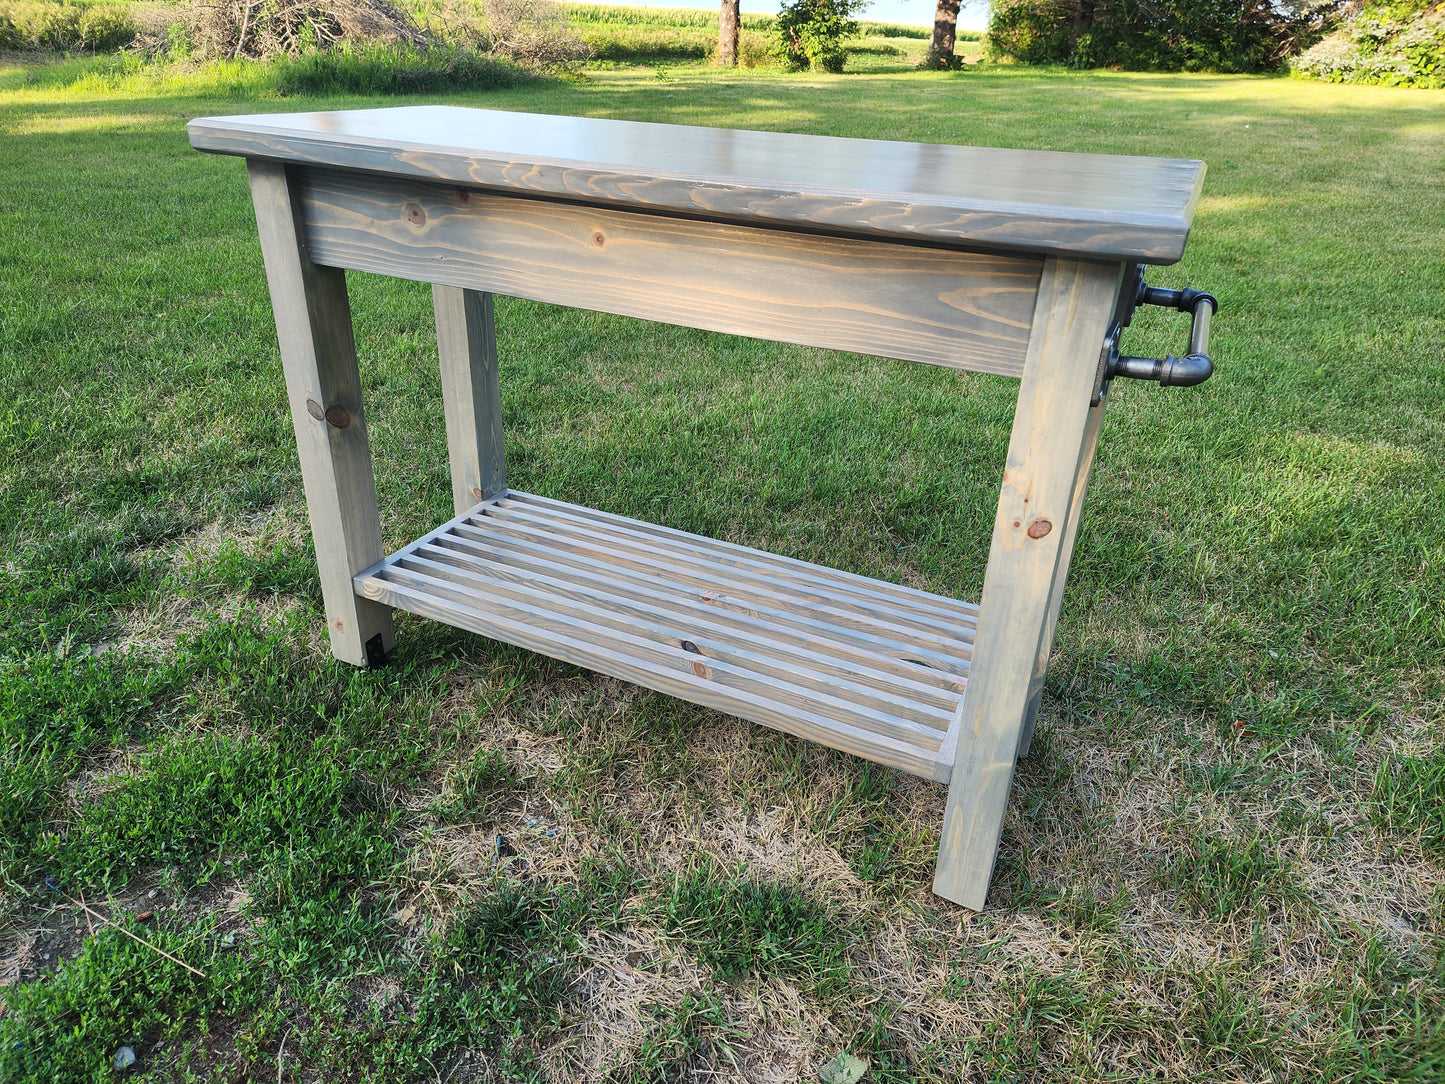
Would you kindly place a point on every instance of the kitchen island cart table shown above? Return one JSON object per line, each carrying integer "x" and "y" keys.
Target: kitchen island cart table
{"x": 1024, "y": 264}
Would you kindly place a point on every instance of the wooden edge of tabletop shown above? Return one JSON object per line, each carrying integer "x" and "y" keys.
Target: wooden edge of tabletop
{"x": 982, "y": 224}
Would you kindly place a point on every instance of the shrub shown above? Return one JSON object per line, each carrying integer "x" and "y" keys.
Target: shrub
{"x": 66, "y": 27}
{"x": 811, "y": 33}
{"x": 1217, "y": 35}
{"x": 373, "y": 47}
{"x": 392, "y": 69}
{"x": 1402, "y": 45}
{"x": 755, "y": 50}
{"x": 267, "y": 28}
{"x": 534, "y": 33}
{"x": 1033, "y": 33}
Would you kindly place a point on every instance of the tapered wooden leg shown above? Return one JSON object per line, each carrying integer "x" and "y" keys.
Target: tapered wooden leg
{"x": 1061, "y": 573}
{"x": 471, "y": 394}
{"x": 1075, "y": 303}
{"x": 323, "y": 386}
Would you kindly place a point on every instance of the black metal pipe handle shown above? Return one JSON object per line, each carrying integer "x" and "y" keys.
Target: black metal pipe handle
{"x": 1195, "y": 367}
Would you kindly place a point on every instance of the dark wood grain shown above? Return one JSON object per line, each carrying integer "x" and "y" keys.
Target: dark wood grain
{"x": 1092, "y": 205}
{"x": 961, "y": 309}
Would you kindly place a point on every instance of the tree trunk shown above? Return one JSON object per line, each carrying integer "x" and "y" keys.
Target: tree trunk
{"x": 727, "y": 35}
{"x": 1083, "y": 20}
{"x": 945, "y": 27}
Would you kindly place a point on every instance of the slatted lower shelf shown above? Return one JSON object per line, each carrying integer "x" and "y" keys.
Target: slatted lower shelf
{"x": 871, "y": 668}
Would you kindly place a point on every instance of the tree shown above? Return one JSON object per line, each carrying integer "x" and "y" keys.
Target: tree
{"x": 945, "y": 29}
{"x": 1192, "y": 35}
{"x": 812, "y": 33}
{"x": 727, "y": 34}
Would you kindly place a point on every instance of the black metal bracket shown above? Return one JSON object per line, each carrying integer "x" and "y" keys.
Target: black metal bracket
{"x": 375, "y": 652}
{"x": 1195, "y": 367}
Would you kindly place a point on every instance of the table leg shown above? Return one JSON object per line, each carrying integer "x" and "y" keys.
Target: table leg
{"x": 323, "y": 386}
{"x": 1075, "y": 304}
{"x": 471, "y": 394}
{"x": 1061, "y": 574}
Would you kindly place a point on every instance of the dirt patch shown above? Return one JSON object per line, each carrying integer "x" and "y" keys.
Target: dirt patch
{"x": 44, "y": 934}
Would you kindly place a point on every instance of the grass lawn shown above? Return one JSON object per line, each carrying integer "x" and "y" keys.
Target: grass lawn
{"x": 1225, "y": 860}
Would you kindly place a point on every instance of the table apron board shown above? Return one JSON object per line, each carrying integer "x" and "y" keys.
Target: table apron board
{"x": 960, "y": 309}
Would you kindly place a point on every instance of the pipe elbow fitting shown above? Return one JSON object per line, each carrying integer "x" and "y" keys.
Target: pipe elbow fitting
{"x": 1185, "y": 372}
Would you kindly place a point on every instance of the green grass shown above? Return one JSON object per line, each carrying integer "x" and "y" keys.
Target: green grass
{"x": 679, "y": 1041}
{"x": 113, "y": 991}
{"x": 474, "y": 789}
{"x": 1222, "y": 862}
{"x": 380, "y": 69}
{"x": 1218, "y": 878}
{"x": 741, "y": 928}
{"x": 1410, "y": 798}
{"x": 623, "y": 15}
{"x": 74, "y": 26}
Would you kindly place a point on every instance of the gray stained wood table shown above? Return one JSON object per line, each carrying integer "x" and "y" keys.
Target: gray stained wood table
{"x": 996, "y": 261}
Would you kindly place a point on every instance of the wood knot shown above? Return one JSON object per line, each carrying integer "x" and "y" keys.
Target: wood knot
{"x": 477, "y": 492}
{"x": 338, "y": 416}
{"x": 698, "y": 668}
{"x": 599, "y": 238}
{"x": 1040, "y": 527}
{"x": 463, "y": 196}
{"x": 414, "y": 214}
{"x": 315, "y": 409}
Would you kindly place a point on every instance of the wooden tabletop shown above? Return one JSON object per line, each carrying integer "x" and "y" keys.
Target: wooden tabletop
{"x": 1104, "y": 206}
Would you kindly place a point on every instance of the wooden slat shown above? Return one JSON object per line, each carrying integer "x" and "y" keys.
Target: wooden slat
{"x": 717, "y": 590}
{"x": 692, "y": 565}
{"x": 806, "y": 668}
{"x": 855, "y": 649}
{"x": 789, "y": 569}
{"x": 964, "y": 310}
{"x": 595, "y": 603}
{"x": 783, "y": 678}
